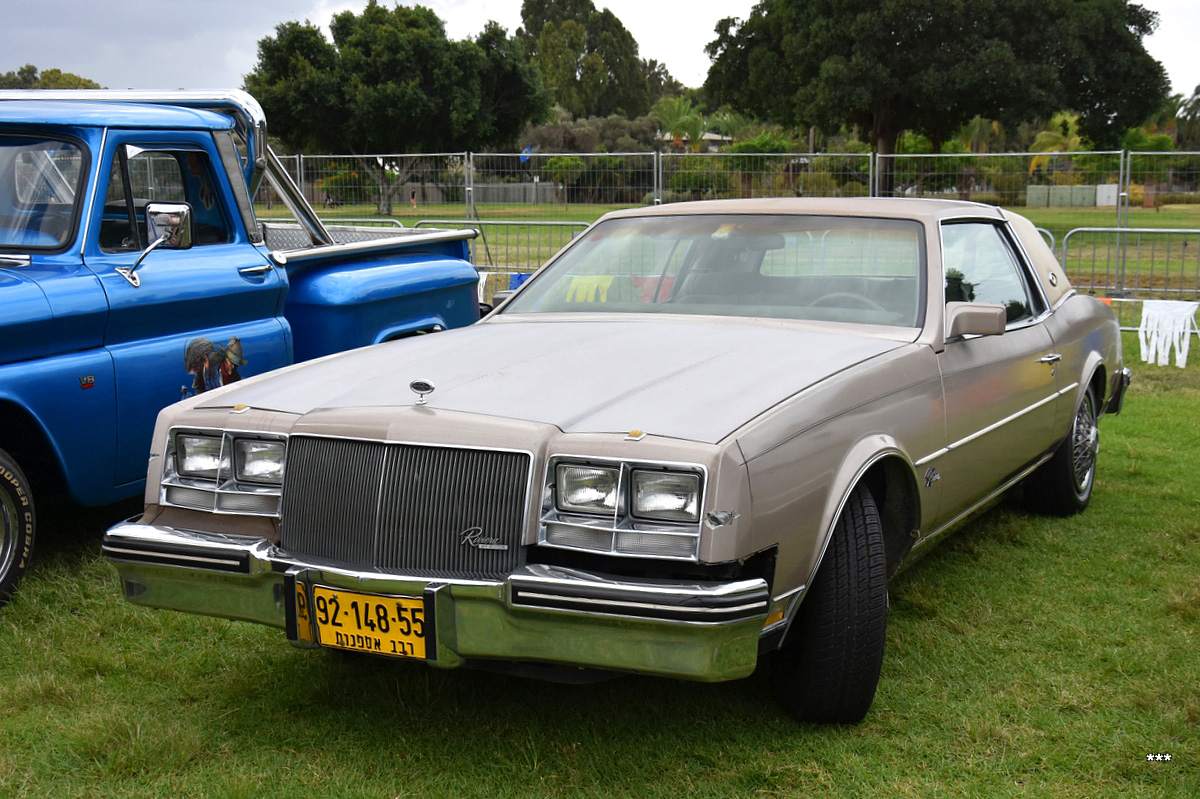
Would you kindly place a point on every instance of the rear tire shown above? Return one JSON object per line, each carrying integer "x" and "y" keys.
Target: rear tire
{"x": 828, "y": 668}
{"x": 17, "y": 525}
{"x": 1063, "y": 485}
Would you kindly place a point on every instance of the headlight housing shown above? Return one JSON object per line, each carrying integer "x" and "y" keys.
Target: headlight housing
{"x": 666, "y": 496}
{"x": 224, "y": 472}
{"x": 587, "y": 489}
{"x": 258, "y": 461}
{"x": 629, "y": 508}
{"x": 199, "y": 455}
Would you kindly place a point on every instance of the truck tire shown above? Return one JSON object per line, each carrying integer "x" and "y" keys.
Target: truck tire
{"x": 17, "y": 525}
{"x": 828, "y": 668}
{"x": 1063, "y": 485}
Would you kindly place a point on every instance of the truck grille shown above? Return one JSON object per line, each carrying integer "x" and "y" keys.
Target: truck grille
{"x": 421, "y": 510}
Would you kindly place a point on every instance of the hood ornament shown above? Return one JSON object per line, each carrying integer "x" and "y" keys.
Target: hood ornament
{"x": 421, "y": 388}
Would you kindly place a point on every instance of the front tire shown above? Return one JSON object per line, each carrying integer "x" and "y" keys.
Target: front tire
{"x": 828, "y": 668}
{"x": 17, "y": 525}
{"x": 1063, "y": 485}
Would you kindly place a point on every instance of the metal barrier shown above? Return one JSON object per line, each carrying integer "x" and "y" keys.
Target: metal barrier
{"x": 506, "y": 249}
{"x": 1146, "y": 263}
{"x": 361, "y": 221}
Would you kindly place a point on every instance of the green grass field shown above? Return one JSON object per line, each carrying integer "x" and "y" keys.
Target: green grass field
{"x": 1026, "y": 657}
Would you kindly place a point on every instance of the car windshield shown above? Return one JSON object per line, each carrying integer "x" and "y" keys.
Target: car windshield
{"x": 837, "y": 269}
{"x": 38, "y": 179}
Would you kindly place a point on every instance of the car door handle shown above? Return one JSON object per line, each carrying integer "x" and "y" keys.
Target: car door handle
{"x": 254, "y": 271}
{"x": 1053, "y": 357}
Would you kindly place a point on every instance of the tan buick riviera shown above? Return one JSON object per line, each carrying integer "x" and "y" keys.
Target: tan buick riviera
{"x": 703, "y": 434}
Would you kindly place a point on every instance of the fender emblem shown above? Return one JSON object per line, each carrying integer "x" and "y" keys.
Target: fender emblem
{"x": 88, "y": 381}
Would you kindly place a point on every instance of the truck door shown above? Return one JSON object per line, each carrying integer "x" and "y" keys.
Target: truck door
{"x": 197, "y": 318}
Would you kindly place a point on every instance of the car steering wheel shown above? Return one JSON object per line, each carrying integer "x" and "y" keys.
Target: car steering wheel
{"x": 838, "y": 299}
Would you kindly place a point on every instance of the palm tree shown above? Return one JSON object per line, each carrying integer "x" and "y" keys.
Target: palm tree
{"x": 1188, "y": 123}
{"x": 679, "y": 118}
{"x": 976, "y": 136}
{"x": 1060, "y": 136}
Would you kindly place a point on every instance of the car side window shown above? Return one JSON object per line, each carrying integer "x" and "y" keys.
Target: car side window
{"x": 161, "y": 176}
{"x": 981, "y": 266}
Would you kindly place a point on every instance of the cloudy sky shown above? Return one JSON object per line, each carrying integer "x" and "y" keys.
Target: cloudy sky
{"x": 210, "y": 44}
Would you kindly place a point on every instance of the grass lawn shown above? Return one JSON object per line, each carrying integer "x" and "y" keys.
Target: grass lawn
{"x": 1026, "y": 656}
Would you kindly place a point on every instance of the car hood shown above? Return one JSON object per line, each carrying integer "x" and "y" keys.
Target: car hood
{"x": 685, "y": 378}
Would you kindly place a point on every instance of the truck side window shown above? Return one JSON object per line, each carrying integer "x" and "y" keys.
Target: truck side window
{"x": 162, "y": 176}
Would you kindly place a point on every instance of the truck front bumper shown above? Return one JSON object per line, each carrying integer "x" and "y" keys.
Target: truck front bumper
{"x": 544, "y": 614}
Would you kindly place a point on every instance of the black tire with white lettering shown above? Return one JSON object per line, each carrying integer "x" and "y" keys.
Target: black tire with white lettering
{"x": 17, "y": 525}
{"x": 1063, "y": 485}
{"x": 829, "y": 666}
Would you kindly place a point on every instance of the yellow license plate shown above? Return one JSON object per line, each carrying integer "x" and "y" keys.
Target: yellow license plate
{"x": 381, "y": 625}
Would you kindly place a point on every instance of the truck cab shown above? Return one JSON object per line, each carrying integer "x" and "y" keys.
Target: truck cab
{"x": 134, "y": 272}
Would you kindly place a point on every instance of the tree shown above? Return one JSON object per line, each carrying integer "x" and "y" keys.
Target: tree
{"x": 588, "y": 58}
{"x": 930, "y": 66}
{"x": 1060, "y": 136}
{"x": 27, "y": 77}
{"x": 679, "y": 119}
{"x": 391, "y": 82}
{"x": 565, "y": 169}
{"x": 1188, "y": 122}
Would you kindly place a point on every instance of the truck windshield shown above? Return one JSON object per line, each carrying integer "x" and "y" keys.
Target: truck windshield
{"x": 38, "y": 182}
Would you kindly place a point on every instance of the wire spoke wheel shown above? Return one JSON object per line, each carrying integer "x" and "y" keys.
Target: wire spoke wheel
{"x": 1085, "y": 444}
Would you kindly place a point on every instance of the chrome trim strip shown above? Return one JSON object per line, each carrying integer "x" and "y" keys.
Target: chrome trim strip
{"x": 945, "y": 528}
{"x": 995, "y": 426}
{"x": 288, "y": 256}
{"x": 642, "y": 605}
{"x": 170, "y": 555}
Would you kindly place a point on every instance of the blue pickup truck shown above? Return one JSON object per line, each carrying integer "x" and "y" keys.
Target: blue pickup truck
{"x": 134, "y": 272}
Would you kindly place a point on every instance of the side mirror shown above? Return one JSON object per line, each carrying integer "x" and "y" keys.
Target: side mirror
{"x": 169, "y": 226}
{"x": 974, "y": 319}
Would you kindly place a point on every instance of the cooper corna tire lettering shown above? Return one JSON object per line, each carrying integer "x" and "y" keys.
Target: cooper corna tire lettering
{"x": 17, "y": 525}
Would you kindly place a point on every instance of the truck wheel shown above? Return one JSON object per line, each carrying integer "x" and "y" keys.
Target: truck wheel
{"x": 16, "y": 525}
{"x": 829, "y": 667}
{"x": 1063, "y": 485}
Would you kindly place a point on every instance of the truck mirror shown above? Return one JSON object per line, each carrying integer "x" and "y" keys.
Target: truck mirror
{"x": 168, "y": 225}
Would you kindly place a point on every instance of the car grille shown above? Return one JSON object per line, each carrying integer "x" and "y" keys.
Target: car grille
{"x": 426, "y": 511}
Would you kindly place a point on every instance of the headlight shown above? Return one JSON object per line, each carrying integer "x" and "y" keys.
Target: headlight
{"x": 258, "y": 461}
{"x": 666, "y": 496}
{"x": 199, "y": 456}
{"x": 587, "y": 489}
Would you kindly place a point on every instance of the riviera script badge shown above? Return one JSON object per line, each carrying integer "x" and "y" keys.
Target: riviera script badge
{"x": 475, "y": 537}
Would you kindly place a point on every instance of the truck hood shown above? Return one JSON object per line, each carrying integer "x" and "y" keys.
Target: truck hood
{"x": 689, "y": 378}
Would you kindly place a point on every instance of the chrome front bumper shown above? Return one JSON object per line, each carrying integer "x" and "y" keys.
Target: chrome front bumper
{"x": 544, "y": 614}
